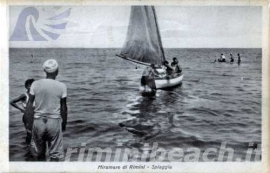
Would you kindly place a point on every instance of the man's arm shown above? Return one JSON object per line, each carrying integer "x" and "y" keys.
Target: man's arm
{"x": 156, "y": 73}
{"x": 18, "y": 99}
{"x": 63, "y": 112}
{"x": 179, "y": 69}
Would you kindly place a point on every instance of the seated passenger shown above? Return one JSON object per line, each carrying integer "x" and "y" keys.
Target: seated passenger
{"x": 175, "y": 66}
{"x": 169, "y": 69}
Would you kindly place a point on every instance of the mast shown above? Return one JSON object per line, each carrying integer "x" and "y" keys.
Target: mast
{"x": 158, "y": 33}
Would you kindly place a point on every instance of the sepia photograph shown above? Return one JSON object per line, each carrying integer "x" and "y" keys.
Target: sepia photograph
{"x": 150, "y": 84}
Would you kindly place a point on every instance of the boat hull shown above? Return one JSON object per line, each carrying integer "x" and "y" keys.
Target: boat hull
{"x": 165, "y": 82}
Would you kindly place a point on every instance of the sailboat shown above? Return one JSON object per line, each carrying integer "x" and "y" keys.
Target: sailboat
{"x": 143, "y": 45}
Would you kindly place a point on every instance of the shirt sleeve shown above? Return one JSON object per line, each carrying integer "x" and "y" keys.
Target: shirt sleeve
{"x": 64, "y": 94}
{"x": 32, "y": 89}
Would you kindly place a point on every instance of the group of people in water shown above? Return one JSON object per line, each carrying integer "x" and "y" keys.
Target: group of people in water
{"x": 150, "y": 72}
{"x": 222, "y": 58}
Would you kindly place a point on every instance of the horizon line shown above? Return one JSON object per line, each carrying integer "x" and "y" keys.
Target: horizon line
{"x": 121, "y": 47}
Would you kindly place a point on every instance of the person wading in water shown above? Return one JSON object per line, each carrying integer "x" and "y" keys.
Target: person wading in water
{"x": 239, "y": 59}
{"x": 49, "y": 118}
{"x": 231, "y": 58}
{"x": 148, "y": 76}
{"x": 24, "y": 99}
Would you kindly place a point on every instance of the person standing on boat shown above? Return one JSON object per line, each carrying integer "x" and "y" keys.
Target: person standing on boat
{"x": 175, "y": 66}
{"x": 239, "y": 59}
{"x": 232, "y": 59}
{"x": 50, "y": 114}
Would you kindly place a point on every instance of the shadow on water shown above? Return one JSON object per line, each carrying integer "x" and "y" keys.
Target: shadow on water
{"x": 154, "y": 115}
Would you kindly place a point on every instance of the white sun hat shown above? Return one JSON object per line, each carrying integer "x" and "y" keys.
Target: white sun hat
{"x": 50, "y": 65}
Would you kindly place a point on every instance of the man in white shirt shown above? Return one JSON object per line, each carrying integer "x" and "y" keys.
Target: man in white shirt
{"x": 50, "y": 113}
{"x": 223, "y": 58}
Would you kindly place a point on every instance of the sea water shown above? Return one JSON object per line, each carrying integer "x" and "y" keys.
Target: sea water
{"x": 216, "y": 103}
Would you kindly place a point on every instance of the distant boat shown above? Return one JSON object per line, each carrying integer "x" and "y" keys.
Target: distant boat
{"x": 144, "y": 46}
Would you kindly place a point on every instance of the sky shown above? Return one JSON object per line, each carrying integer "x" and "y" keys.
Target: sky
{"x": 106, "y": 26}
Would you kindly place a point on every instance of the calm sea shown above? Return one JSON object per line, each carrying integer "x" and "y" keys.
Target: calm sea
{"x": 217, "y": 102}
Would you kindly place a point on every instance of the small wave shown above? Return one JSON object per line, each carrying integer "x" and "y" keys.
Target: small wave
{"x": 216, "y": 94}
{"x": 121, "y": 80}
{"x": 76, "y": 122}
{"x": 193, "y": 80}
{"x": 187, "y": 139}
{"x": 256, "y": 131}
{"x": 228, "y": 75}
{"x": 228, "y": 115}
{"x": 237, "y": 124}
{"x": 245, "y": 78}
{"x": 204, "y": 110}
{"x": 130, "y": 112}
{"x": 84, "y": 129}
{"x": 240, "y": 89}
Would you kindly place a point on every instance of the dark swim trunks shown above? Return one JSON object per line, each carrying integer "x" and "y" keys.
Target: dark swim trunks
{"x": 144, "y": 80}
